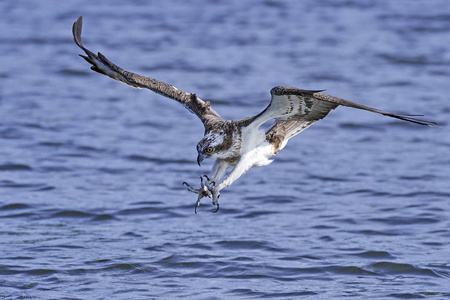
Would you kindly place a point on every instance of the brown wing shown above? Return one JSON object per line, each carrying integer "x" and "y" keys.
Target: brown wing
{"x": 290, "y": 103}
{"x": 102, "y": 65}
{"x": 294, "y": 110}
{"x": 343, "y": 102}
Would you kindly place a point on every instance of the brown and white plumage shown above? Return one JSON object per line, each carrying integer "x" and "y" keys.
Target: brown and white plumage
{"x": 239, "y": 144}
{"x": 103, "y": 66}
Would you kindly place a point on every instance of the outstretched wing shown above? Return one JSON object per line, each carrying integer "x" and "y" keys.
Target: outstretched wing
{"x": 294, "y": 110}
{"x": 102, "y": 65}
{"x": 290, "y": 103}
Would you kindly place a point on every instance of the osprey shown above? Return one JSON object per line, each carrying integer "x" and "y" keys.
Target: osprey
{"x": 238, "y": 144}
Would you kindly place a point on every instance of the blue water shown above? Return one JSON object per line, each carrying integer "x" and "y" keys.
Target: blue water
{"x": 91, "y": 201}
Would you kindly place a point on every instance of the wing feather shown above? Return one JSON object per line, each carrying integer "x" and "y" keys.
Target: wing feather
{"x": 290, "y": 103}
{"x": 348, "y": 103}
{"x": 294, "y": 110}
{"x": 103, "y": 66}
{"x": 293, "y": 104}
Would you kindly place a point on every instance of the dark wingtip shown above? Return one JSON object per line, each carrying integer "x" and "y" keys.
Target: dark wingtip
{"x": 86, "y": 58}
{"x": 413, "y": 120}
{"x": 217, "y": 209}
{"x": 104, "y": 59}
{"x": 76, "y": 31}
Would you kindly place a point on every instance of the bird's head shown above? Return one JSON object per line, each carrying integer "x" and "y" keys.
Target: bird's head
{"x": 213, "y": 145}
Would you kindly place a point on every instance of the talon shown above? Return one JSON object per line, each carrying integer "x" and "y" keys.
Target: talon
{"x": 197, "y": 204}
{"x": 214, "y": 211}
{"x": 209, "y": 182}
{"x": 191, "y": 188}
{"x": 215, "y": 198}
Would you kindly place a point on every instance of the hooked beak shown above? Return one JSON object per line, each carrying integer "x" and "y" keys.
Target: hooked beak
{"x": 200, "y": 158}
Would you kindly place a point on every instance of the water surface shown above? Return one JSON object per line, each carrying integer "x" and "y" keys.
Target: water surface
{"x": 91, "y": 200}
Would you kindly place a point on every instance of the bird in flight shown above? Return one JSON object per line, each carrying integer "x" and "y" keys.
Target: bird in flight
{"x": 242, "y": 144}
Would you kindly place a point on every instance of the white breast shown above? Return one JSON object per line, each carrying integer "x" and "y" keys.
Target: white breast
{"x": 255, "y": 147}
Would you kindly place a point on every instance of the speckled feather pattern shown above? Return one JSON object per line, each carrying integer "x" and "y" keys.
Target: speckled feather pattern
{"x": 241, "y": 144}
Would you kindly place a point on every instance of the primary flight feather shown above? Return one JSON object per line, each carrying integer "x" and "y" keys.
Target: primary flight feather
{"x": 241, "y": 144}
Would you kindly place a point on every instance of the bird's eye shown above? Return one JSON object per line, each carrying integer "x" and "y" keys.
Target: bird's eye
{"x": 209, "y": 150}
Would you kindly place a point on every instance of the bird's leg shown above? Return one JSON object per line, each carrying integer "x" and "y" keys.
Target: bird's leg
{"x": 215, "y": 200}
{"x": 197, "y": 203}
{"x": 213, "y": 193}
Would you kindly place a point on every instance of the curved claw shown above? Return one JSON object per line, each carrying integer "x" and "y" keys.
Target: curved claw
{"x": 191, "y": 188}
{"x": 217, "y": 209}
{"x": 196, "y": 205}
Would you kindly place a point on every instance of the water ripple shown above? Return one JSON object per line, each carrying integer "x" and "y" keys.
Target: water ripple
{"x": 391, "y": 268}
{"x": 27, "y": 186}
{"x": 250, "y": 245}
{"x": 91, "y": 201}
{"x": 15, "y": 167}
{"x": 375, "y": 255}
{"x": 402, "y": 220}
